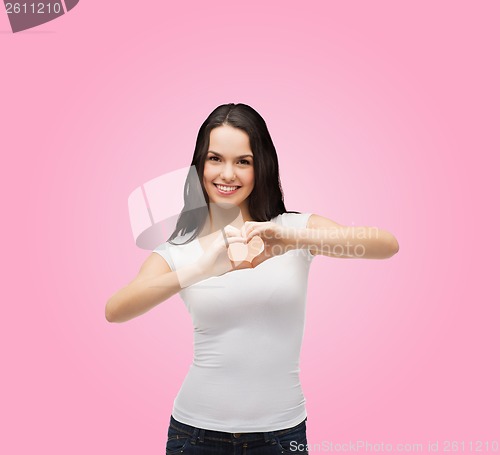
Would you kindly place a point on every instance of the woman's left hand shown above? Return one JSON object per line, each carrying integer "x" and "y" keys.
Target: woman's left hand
{"x": 277, "y": 239}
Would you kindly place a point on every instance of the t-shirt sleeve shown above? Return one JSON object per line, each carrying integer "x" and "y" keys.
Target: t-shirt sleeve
{"x": 164, "y": 251}
{"x": 299, "y": 221}
{"x": 296, "y": 220}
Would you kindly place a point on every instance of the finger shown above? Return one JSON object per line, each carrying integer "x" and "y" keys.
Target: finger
{"x": 243, "y": 265}
{"x": 255, "y": 247}
{"x": 255, "y": 231}
{"x": 231, "y": 240}
{"x": 235, "y": 240}
{"x": 247, "y": 227}
{"x": 250, "y": 230}
{"x": 231, "y": 230}
{"x": 259, "y": 259}
{"x": 237, "y": 251}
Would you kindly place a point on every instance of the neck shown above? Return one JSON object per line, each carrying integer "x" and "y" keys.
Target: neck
{"x": 221, "y": 215}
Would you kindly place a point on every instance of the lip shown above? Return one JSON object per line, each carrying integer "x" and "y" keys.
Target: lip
{"x": 226, "y": 193}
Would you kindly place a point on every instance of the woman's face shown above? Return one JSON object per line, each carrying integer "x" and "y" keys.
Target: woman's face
{"x": 228, "y": 174}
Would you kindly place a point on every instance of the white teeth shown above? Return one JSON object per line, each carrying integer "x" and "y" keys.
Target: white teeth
{"x": 226, "y": 188}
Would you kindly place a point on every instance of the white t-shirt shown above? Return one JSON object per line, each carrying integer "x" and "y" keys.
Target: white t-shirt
{"x": 248, "y": 329}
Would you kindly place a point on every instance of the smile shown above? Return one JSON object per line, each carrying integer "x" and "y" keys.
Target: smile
{"x": 223, "y": 189}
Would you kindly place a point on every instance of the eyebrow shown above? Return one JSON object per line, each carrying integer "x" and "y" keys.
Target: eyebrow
{"x": 241, "y": 156}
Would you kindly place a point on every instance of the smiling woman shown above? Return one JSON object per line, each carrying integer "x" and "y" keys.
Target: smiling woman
{"x": 242, "y": 269}
{"x": 233, "y": 149}
{"x": 228, "y": 174}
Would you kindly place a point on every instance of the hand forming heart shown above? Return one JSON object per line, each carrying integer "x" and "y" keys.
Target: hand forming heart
{"x": 236, "y": 249}
{"x": 277, "y": 240}
{"x": 245, "y": 252}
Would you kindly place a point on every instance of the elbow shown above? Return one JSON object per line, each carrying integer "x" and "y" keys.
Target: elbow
{"x": 393, "y": 246}
{"x": 108, "y": 312}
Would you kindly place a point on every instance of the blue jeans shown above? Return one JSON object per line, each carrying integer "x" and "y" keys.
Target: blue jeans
{"x": 187, "y": 440}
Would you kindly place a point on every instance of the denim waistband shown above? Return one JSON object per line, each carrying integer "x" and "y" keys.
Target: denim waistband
{"x": 201, "y": 433}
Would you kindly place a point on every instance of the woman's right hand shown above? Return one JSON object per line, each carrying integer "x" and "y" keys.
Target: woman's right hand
{"x": 215, "y": 260}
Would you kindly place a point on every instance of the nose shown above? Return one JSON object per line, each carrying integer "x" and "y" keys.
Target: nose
{"x": 228, "y": 172}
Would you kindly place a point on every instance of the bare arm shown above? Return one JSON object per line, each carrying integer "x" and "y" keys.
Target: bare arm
{"x": 155, "y": 283}
{"x": 326, "y": 237}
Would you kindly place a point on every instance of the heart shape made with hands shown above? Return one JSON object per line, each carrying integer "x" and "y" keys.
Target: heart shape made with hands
{"x": 245, "y": 252}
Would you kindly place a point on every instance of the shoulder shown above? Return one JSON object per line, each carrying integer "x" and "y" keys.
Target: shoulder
{"x": 178, "y": 248}
{"x": 293, "y": 219}
{"x": 178, "y": 241}
{"x": 320, "y": 222}
{"x": 306, "y": 220}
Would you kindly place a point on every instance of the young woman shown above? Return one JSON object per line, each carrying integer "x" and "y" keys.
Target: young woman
{"x": 241, "y": 266}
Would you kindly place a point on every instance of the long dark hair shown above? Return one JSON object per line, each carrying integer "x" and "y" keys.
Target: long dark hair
{"x": 266, "y": 199}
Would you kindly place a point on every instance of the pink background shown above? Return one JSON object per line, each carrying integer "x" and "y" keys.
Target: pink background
{"x": 383, "y": 113}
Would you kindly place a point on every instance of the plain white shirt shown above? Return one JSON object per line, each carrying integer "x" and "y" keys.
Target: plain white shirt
{"x": 248, "y": 328}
